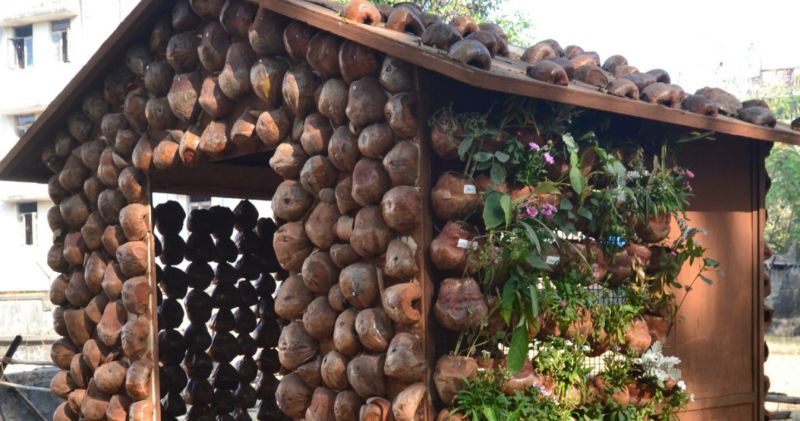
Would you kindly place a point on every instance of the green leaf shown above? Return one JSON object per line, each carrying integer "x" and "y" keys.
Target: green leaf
{"x": 493, "y": 214}
{"x": 518, "y": 351}
{"x": 569, "y": 141}
{"x": 576, "y": 178}
{"x": 507, "y": 300}
{"x": 498, "y": 173}
{"x": 566, "y": 204}
{"x": 534, "y": 295}
{"x": 547, "y": 187}
{"x": 483, "y": 156}
{"x": 585, "y": 213}
{"x": 707, "y": 280}
{"x": 537, "y": 262}
{"x": 464, "y": 147}
{"x": 508, "y": 210}
{"x": 502, "y": 156}
{"x": 710, "y": 262}
{"x": 532, "y": 237}
{"x": 489, "y": 413}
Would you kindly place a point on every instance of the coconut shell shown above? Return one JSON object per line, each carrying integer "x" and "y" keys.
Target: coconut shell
{"x": 142, "y": 156}
{"x": 135, "y": 221}
{"x": 291, "y": 246}
{"x": 405, "y": 358}
{"x": 266, "y": 32}
{"x": 158, "y": 113}
{"x": 118, "y": 407}
{"x": 293, "y": 396}
{"x": 59, "y": 324}
{"x": 454, "y": 197}
{"x": 451, "y": 374}
{"x": 136, "y": 295}
{"x": 319, "y": 272}
{"x": 132, "y": 258}
{"x": 110, "y": 326}
{"x": 298, "y": 88}
{"x": 109, "y": 204}
{"x": 288, "y": 160}
{"x": 272, "y": 127}
{"x": 296, "y": 346}
{"x": 460, "y": 304}
{"x": 290, "y": 201}
{"x": 374, "y": 329}
{"x": 134, "y": 109}
{"x": 401, "y": 262}
{"x": 78, "y": 326}
{"x": 61, "y": 353}
{"x": 365, "y": 374}
{"x": 183, "y": 95}
{"x": 110, "y": 377}
{"x": 369, "y": 182}
{"x": 214, "y": 43}
{"x": 77, "y": 292}
{"x": 359, "y": 284}
{"x": 75, "y": 211}
{"x": 370, "y": 235}
{"x": 74, "y": 249}
{"x": 292, "y": 298}
{"x": 113, "y": 237}
{"x": 58, "y": 289}
{"x": 320, "y": 225}
{"x": 132, "y": 184}
{"x": 137, "y": 381}
{"x": 134, "y": 339}
{"x": 397, "y": 75}
{"x": 318, "y": 173}
{"x": 92, "y": 187}
{"x": 182, "y": 51}
{"x": 319, "y": 318}
{"x": 357, "y": 61}
{"x": 365, "y": 102}
{"x": 61, "y": 385}
{"x": 56, "y": 192}
{"x": 401, "y": 207}
{"x": 451, "y": 247}
{"x": 234, "y": 80}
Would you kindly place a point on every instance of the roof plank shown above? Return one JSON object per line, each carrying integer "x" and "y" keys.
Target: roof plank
{"x": 508, "y": 75}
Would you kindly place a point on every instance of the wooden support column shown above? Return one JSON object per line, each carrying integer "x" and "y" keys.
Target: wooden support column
{"x": 155, "y": 380}
{"x": 425, "y": 232}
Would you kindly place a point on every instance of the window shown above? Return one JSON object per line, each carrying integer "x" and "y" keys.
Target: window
{"x": 23, "y": 122}
{"x": 59, "y": 30}
{"x": 21, "y": 47}
{"x": 199, "y": 202}
{"x": 26, "y": 212}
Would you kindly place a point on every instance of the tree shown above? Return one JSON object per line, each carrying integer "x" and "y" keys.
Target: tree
{"x": 783, "y": 167}
{"x": 517, "y": 25}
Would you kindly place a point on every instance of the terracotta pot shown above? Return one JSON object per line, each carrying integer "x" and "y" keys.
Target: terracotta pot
{"x": 654, "y": 229}
{"x": 599, "y": 344}
{"x": 661, "y": 259}
{"x": 640, "y": 252}
{"x": 637, "y": 336}
{"x": 640, "y": 394}
{"x": 620, "y": 268}
{"x": 658, "y": 327}
{"x": 525, "y": 379}
{"x": 578, "y": 254}
{"x": 605, "y": 392}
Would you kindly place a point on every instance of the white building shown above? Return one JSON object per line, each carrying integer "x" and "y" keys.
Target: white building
{"x": 43, "y": 43}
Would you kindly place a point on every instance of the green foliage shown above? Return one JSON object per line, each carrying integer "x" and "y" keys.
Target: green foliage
{"x": 783, "y": 198}
{"x": 482, "y": 400}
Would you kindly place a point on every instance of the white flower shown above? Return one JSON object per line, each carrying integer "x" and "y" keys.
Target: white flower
{"x": 682, "y": 385}
{"x": 659, "y": 367}
{"x": 691, "y": 397}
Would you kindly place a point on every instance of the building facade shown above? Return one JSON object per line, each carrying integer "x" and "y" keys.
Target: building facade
{"x": 43, "y": 43}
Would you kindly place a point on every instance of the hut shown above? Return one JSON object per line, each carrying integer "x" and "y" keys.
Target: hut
{"x": 446, "y": 207}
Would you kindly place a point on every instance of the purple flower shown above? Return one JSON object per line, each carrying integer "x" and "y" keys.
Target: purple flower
{"x": 533, "y": 146}
{"x": 549, "y": 158}
{"x": 562, "y": 303}
{"x": 548, "y": 210}
{"x": 673, "y": 253}
{"x": 532, "y": 211}
{"x": 689, "y": 174}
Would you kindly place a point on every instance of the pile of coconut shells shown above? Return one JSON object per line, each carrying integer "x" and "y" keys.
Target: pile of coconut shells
{"x": 476, "y": 44}
{"x": 349, "y": 210}
{"x": 226, "y": 286}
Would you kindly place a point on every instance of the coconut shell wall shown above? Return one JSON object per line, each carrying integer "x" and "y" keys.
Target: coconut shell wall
{"x": 349, "y": 303}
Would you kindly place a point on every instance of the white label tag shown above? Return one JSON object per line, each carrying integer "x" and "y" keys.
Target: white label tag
{"x": 470, "y": 189}
{"x": 466, "y": 244}
{"x": 552, "y": 260}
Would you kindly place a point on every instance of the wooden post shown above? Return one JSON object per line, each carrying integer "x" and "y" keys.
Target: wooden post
{"x": 155, "y": 381}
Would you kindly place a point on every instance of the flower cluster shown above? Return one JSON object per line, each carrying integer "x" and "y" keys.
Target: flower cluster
{"x": 547, "y": 209}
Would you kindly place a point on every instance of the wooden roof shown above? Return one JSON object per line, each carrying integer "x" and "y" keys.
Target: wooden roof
{"x": 23, "y": 162}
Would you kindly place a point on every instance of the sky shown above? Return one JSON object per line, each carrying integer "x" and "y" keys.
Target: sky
{"x": 699, "y": 42}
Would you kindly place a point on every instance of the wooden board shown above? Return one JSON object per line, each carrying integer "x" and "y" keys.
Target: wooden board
{"x": 718, "y": 336}
{"x": 509, "y": 76}
{"x": 220, "y": 180}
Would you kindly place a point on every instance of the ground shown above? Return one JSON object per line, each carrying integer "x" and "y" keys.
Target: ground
{"x": 783, "y": 369}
